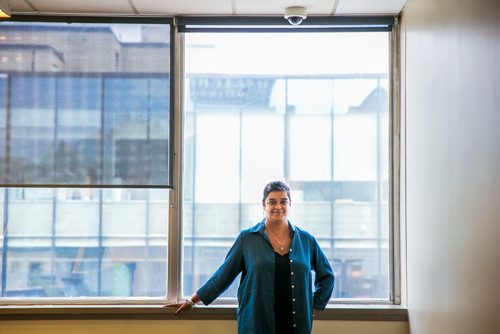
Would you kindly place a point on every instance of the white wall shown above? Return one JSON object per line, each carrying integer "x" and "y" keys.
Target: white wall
{"x": 451, "y": 99}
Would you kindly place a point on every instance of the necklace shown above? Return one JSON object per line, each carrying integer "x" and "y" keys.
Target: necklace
{"x": 281, "y": 243}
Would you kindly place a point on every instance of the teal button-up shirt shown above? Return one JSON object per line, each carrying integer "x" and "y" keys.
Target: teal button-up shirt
{"x": 252, "y": 255}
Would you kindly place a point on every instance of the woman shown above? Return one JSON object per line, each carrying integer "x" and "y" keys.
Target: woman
{"x": 275, "y": 259}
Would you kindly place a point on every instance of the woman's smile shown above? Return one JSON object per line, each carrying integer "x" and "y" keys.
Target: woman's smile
{"x": 276, "y": 206}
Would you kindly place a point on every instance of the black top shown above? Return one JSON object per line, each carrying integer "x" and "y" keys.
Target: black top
{"x": 283, "y": 294}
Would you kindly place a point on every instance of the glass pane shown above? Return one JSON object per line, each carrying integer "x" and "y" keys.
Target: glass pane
{"x": 89, "y": 104}
{"x": 3, "y": 108}
{"x": 257, "y": 109}
{"x": 81, "y": 242}
{"x": 217, "y": 171}
{"x": 310, "y": 148}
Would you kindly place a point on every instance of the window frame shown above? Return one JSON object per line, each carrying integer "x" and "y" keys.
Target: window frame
{"x": 83, "y": 301}
{"x": 123, "y": 307}
{"x": 109, "y": 20}
{"x": 345, "y": 24}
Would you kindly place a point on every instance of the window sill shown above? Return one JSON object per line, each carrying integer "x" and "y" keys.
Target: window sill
{"x": 218, "y": 312}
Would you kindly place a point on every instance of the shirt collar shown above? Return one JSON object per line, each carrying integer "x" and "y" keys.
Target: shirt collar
{"x": 261, "y": 227}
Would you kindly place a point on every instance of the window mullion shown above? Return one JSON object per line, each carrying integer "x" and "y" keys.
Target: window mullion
{"x": 174, "y": 281}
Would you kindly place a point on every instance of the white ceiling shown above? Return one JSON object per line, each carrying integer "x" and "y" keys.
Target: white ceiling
{"x": 204, "y": 7}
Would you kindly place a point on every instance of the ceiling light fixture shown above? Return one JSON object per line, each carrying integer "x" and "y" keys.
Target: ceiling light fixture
{"x": 4, "y": 9}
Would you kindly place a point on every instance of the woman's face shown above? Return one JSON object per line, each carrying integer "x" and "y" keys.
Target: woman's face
{"x": 276, "y": 206}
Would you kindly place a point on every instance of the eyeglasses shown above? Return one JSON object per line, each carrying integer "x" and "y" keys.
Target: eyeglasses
{"x": 273, "y": 202}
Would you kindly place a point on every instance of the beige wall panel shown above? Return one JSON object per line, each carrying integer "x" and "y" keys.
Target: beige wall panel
{"x": 452, "y": 114}
{"x": 185, "y": 327}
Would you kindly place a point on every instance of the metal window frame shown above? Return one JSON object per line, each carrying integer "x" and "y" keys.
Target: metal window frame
{"x": 351, "y": 24}
{"x": 105, "y": 301}
{"x": 279, "y": 24}
{"x": 175, "y": 239}
{"x": 109, "y": 20}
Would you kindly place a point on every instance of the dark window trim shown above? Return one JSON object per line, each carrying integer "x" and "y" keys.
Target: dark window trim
{"x": 279, "y": 24}
{"x": 90, "y": 186}
{"x": 156, "y": 312}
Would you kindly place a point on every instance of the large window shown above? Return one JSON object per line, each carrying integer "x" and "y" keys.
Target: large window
{"x": 310, "y": 109}
{"x": 90, "y": 183}
{"x": 84, "y": 158}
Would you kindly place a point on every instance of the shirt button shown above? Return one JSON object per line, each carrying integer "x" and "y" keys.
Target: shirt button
{"x": 293, "y": 312}
{"x": 291, "y": 260}
{"x": 294, "y": 325}
{"x": 293, "y": 299}
{"x": 290, "y": 249}
{"x": 292, "y": 272}
{"x": 293, "y": 286}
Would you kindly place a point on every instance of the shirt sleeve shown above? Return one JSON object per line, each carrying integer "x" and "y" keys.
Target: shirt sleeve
{"x": 324, "y": 279}
{"x": 224, "y": 276}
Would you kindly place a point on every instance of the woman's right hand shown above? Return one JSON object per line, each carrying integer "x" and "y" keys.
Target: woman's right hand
{"x": 181, "y": 306}
{"x": 184, "y": 304}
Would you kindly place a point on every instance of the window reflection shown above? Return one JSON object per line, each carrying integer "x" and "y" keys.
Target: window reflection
{"x": 84, "y": 242}
{"x": 84, "y": 104}
{"x": 88, "y": 104}
{"x": 323, "y": 132}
